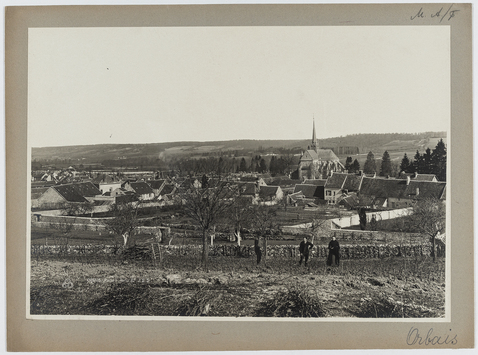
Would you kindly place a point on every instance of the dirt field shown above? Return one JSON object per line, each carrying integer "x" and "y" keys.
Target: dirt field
{"x": 236, "y": 287}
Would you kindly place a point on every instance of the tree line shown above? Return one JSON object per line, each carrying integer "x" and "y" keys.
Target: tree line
{"x": 430, "y": 162}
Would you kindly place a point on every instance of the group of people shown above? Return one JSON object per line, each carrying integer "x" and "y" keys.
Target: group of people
{"x": 304, "y": 249}
{"x": 334, "y": 251}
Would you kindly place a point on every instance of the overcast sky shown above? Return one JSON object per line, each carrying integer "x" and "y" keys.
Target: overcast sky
{"x": 148, "y": 85}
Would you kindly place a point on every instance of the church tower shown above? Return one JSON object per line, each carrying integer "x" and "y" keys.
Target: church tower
{"x": 314, "y": 138}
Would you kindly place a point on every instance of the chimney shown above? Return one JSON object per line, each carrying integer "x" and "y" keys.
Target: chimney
{"x": 415, "y": 175}
{"x": 408, "y": 180}
{"x": 374, "y": 175}
{"x": 417, "y": 191}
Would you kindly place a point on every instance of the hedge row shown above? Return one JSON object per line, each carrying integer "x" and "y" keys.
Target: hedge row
{"x": 346, "y": 251}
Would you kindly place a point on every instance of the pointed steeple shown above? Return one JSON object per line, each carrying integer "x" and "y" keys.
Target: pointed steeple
{"x": 314, "y": 138}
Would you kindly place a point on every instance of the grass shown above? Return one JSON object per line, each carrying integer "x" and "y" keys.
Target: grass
{"x": 236, "y": 287}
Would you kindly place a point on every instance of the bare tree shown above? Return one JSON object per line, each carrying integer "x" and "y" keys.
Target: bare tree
{"x": 205, "y": 205}
{"x": 239, "y": 214}
{"x": 263, "y": 223}
{"x": 429, "y": 217}
{"x": 320, "y": 220}
{"x": 124, "y": 220}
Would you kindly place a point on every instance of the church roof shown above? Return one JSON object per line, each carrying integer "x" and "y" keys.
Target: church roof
{"x": 320, "y": 154}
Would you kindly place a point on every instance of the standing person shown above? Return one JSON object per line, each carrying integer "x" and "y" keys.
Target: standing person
{"x": 304, "y": 248}
{"x": 334, "y": 250}
{"x": 257, "y": 250}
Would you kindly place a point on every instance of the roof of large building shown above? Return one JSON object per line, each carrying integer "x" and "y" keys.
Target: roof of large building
{"x": 141, "y": 188}
{"x": 284, "y": 181}
{"x": 351, "y": 201}
{"x": 156, "y": 184}
{"x": 77, "y": 192}
{"x": 352, "y": 182}
{"x": 380, "y": 187}
{"x": 42, "y": 183}
{"x": 426, "y": 177}
{"x": 168, "y": 189}
{"x": 268, "y": 191}
{"x": 316, "y": 182}
{"x": 309, "y": 191}
{"x": 336, "y": 181}
{"x": 398, "y": 188}
{"x": 418, "y": 177}
{"x": 247, "y": 188}
{"x": 105, "y": 179}
{"x": 320, "y": 154}
{"x": 37, "y": 192}
{"x": 426, "y": 189}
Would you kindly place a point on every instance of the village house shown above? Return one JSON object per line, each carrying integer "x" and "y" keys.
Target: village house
{"x": 142, "y": 190}
{"x": 121, "y": 195}
{"x": 419, "y": 177}
{"x": 333, "y": 187}
{"x": 340, "y": 184}
{"x": 381, "y": 193}
{"x": 167, "y": 194}
{"x": 270, "y": 195}
{"x": 157, "y": 186}
{"x": 249, "y": 190}
{"x": 259, "y": 181}
{"x": 310, "y": 191}
{"x": 189, "y": 183}
{"x": 107, "y": 183}
{"x": 56, "y": 196}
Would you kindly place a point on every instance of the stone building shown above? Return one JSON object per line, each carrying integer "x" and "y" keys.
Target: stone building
{"x": 316, "y": 163}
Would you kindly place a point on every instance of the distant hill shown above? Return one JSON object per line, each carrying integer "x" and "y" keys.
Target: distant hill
{"x": 378, "y": 143}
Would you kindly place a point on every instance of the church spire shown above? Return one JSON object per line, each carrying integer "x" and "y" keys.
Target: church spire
{"x": 314, "y": 138}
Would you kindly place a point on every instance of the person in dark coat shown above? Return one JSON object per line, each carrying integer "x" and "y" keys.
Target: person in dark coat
{"x": 304, "y": 248}
{"x": 334, "y": 250}
{"x": 257, "y": 250}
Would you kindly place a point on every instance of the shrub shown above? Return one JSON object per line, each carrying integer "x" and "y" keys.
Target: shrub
{"x": 383, "y": 306}
{"x": 199, "y": 304}
{"x": 293, "y": 302}
{"x": 122, "y": 299}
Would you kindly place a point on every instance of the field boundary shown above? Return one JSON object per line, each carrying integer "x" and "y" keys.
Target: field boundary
{"x": 362, "y": 251}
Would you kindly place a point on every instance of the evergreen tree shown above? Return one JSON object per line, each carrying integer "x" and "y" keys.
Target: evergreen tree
{"x": 439, "y": 161}
{"x": 262, "y": 166}
{"x": 242, "y": 165}
{"x": 355, "y": 166}
{"x": 273, "y": 165}
{"x": 348, "y": 164}
{"x": 370, "y": 167}
{"x": 386, "y": 167}
{"x": 204, "y": 182}
{"x": 220, "y": 166}
{"x": 418, "y": 163}
{"x": 405, "y": 164}
{"x": 427, "y": 162}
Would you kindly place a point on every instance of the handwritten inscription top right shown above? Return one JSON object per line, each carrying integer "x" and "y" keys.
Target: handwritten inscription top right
{"x": 439, "y": 15}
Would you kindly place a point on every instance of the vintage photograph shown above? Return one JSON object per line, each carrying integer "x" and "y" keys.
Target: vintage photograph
{"x": 239, "y": 171}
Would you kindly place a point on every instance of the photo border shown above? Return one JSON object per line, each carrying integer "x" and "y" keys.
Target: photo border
{"x": 196, "y": 335}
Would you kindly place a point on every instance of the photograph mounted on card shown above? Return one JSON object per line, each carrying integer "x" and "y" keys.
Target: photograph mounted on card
{"x": 239, "y": 167}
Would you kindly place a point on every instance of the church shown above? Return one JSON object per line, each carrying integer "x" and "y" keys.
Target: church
{"x": 316, "y": 163}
